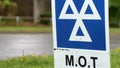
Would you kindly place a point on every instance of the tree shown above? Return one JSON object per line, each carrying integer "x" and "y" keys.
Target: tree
{"x": 12, "y": 9}
{"x": 114, "y": 3}
{"x": 114, "y": 12}
{"x": 1, "y": 8}
{"x": 8, "y": 8}
{"x": 6, "y": 4}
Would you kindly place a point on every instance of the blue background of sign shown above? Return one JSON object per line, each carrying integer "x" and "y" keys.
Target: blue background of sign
{"x": 95, "y": 28}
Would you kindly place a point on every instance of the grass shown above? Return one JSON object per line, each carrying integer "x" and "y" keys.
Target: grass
{"x": 28, "y": 62}
{"x": 40, "y": 29}
{"x": 115, "y": 58}
{"x": 25, "y": 29}
{"x": 45, "y": 61}
{"x": 115, "y": 30}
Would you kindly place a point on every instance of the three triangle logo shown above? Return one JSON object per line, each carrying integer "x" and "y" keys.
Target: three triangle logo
{"x": 79, "y": 16}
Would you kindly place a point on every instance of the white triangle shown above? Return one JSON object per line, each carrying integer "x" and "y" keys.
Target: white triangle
{"x": 94, "y": 16}
{"x": 63, "y": 14}
{"x": 74, "y": 37}
{"x": 79, "y": 17}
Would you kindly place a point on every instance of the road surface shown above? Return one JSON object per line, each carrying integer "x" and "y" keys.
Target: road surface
{"x": 114, "y": 41}
{"x": 13, "y": 45}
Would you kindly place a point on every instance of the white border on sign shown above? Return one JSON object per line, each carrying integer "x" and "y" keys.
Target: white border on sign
{"x": 107, "y": 29}
{"x": 106, "y": 26}
{"x": 54, "y": 24}
{"x": 83, "y": 50}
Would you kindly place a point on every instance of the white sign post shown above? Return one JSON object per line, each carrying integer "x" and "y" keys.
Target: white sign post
{"x": 81, "y": 33}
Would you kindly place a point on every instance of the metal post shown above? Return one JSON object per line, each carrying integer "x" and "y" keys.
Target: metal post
{"x": 17, "y": 20}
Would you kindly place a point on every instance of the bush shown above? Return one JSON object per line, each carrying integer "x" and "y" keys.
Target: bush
{"x": 114, "y": 24}
{"x": 9, "y": 22}
{"x": 45, "y": 19}
{"x": 1, "y": 8}
{"x": 6, "y": 2}
{"x": 45, "y": 15}
{"x": 114, "y": 16}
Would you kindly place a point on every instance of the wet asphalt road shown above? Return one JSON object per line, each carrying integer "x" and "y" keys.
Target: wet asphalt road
{"x": 114, "y": 41}
{"x": 13, "y": 45}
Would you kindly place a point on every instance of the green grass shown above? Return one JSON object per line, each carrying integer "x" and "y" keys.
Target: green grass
{"x": 115, "y": 58}
{"x": 115, "y": 30}
{"x": 44, "y": 61}
{"x": 25, "y": 29}
{"x": 28, "y": 62}
{"x": 39, "y": 29}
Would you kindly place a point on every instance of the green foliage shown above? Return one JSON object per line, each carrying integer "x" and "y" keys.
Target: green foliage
{"x": 14, "y": 4}
{"x": 114, "y": 12}
{"x": 1, "y": 6}
{"x": 45, "y": 19}
{"x": 6, "y": 2}
{"x": 0, "y": 2}
{"x": 114, "y": 2}
{"x": 45, "y": 15}
{"x": 8, "y": 8}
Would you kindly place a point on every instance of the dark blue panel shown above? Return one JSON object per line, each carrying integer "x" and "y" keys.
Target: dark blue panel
{"x": 88, "y": 11}
{"x": 80, "y": 33}
{"x": 69, "y": 10}
{"x": 95, "y": 28}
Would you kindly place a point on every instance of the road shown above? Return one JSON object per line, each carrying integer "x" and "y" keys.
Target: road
{"x": 114, "y": 41}
{"x": 13, "y": 45}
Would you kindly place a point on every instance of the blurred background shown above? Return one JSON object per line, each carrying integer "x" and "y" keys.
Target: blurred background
{"x": 28, "y": 23}
{"x": 21, "y": 12}
{"x": 25, "y": 29}
{"x": 114, "y": 13}
{"x": 17, "y": 12}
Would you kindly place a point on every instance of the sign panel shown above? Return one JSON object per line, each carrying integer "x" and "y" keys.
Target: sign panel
{"x": 81, "y": 33}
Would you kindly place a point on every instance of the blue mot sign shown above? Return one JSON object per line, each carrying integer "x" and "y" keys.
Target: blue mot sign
{"x": 80, "y": 24}
{"x": 81, "y": 33}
